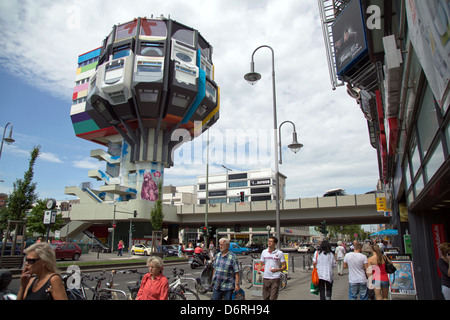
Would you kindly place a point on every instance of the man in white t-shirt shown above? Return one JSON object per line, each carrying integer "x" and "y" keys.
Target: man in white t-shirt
{"x": 274, "y": 263}
{"x": 356, "y": 263}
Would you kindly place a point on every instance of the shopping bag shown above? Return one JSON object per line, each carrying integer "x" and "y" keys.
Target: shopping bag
{"x": 315, "y": 277}
{"x": 315, "y": 274}
{"x": 314, "y": 289}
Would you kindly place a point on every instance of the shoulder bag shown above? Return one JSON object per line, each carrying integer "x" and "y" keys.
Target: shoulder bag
{"x": 390, "y": 268}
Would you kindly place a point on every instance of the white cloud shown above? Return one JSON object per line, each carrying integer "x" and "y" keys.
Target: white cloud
{"x": 50, "y": 157}
{"x": 44, "y": 38}
{"x": 87, "y": 163}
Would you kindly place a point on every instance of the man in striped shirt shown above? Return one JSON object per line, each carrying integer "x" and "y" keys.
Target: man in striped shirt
{"x": 226, "y": 272}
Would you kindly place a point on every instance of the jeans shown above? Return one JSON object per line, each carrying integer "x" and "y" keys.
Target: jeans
{"x": 446, "y": 292}
{"x": 219, "y": 295}
{"x": 340, "y": 265}
{"x": 355, "y": 288}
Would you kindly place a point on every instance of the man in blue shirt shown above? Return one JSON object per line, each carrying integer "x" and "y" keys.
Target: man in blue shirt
{"x": 226, "y": 272}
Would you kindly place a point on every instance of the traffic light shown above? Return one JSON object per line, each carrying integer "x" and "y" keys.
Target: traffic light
{"x": 212, "y": 231}
{"x": 133, "y": 228}
{"x": 135, "y": 213}
{"x": 323, "y": 227}
{"x": 204, "y": 231}
{"x": 242, "y": 196}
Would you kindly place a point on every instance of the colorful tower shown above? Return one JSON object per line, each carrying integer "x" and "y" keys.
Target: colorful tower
{"x": 150, "y": 79}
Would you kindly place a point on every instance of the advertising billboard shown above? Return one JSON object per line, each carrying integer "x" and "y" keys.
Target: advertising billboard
{"x": 349, "y": 37}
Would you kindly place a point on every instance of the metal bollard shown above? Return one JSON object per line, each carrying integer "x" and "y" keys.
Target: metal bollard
{"x": 292, "y": 264}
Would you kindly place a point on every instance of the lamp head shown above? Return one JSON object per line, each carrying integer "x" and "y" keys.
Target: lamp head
{"x": 252, "y": 77}
{"x": 9, "y": 139}
{"x": 295, "y": 146}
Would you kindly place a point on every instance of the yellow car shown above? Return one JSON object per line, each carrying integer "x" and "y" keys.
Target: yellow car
{"x": 141, "y": 249}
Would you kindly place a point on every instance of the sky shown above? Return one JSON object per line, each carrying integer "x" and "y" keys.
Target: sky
{"x": 41, "y": 41}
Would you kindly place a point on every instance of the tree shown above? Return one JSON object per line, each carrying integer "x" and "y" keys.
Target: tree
{"x": 23, "y": 196}
{"x": 156, "y": 214}
{"x": 35, "y": 221}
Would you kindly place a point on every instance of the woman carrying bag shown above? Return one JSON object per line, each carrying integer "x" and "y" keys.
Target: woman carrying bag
{"x": 324, "y": 261}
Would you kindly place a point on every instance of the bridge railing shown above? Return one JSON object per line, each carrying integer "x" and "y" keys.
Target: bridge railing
{"x": 287, "y": 204}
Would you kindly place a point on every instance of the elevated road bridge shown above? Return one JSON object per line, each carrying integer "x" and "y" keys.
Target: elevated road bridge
{"x": 342, "y": 210}
{"x": 350, "y": 209}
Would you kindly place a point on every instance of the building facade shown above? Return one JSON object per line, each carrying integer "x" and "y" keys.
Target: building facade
{"x": 394, "y": 59}
{"x": 256, "y": 185}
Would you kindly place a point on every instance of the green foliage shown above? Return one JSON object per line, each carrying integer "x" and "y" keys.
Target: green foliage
{"x": 35, "y": 220}
{"x": 156, "y": 214}
{"x": 23, "y": 195}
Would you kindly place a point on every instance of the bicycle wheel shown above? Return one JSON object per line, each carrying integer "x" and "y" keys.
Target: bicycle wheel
{"x": 248, "y": 279}
{"x": 190, "y": 295}
{"x": 283, "y": 282}
{"x": 173, "y": 295}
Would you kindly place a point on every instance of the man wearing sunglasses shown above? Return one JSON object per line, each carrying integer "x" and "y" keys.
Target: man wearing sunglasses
{"x": 40, "y": 267}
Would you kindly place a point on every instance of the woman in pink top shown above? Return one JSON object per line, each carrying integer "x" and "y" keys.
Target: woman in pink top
{"x": 380, "y": 276}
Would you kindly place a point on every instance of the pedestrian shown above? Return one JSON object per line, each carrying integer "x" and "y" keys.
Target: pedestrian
{"x": 212, "y": 248}
{"x": 40, "y": 267}
{"x": 379, "y": 274}
{"x": 180, "y": 249}
{"x": 120, "y": 248}
{"x": 226, "y": 272}
{"x": 154, "y": 285}
{"x": 324, "y": 261}
{"x": 444, "y": 267}
{"x": 274, "y": 263}
{"x": 356, "y": 263}
{"x": 339, "y": 256}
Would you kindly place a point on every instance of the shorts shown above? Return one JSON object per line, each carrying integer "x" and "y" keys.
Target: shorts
{"x": 378, "y": 284}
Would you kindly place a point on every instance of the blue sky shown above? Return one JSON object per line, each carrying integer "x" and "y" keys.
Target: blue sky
{"x": 38, "y": 56}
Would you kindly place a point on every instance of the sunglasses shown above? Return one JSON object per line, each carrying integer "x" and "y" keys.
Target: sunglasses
{"x": 31, "y": 261}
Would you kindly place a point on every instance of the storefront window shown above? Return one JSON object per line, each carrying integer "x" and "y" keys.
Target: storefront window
{"x": 436, "y": 160}
{"x": 427, "y": 122}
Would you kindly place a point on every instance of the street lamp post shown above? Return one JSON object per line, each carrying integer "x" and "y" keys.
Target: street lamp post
{"x": 9, "y": 139}
{"x": 252, "y": 77}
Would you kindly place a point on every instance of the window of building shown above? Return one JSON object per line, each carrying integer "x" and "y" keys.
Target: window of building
{"x": 237, "y": 184}
{"x": 436, "y": 159}
{"x": 427, "y": 123}
{"x": 419, "y": 185}
{"x": 414, "y": 153}
{"x": 447, "y": 136}
{"x": 407, "y": 174}
{"x": 261, "y": 198}
{"x": 235, "y": 176}
{"x": 218, "y": 200}
{"x": 259, "y": 190}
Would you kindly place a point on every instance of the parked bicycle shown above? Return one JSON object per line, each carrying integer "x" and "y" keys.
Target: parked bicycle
{"x": 134, "y": 289}
{"x": 247, "y": 278}
{"x": 179, "y": 290}
{"x": 98, "y": 293}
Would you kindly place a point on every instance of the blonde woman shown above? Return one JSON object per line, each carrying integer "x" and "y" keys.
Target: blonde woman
{"x": 154, "y": 285}
{"x": 380, "y": 276}
{"x": 40, "y": 279}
